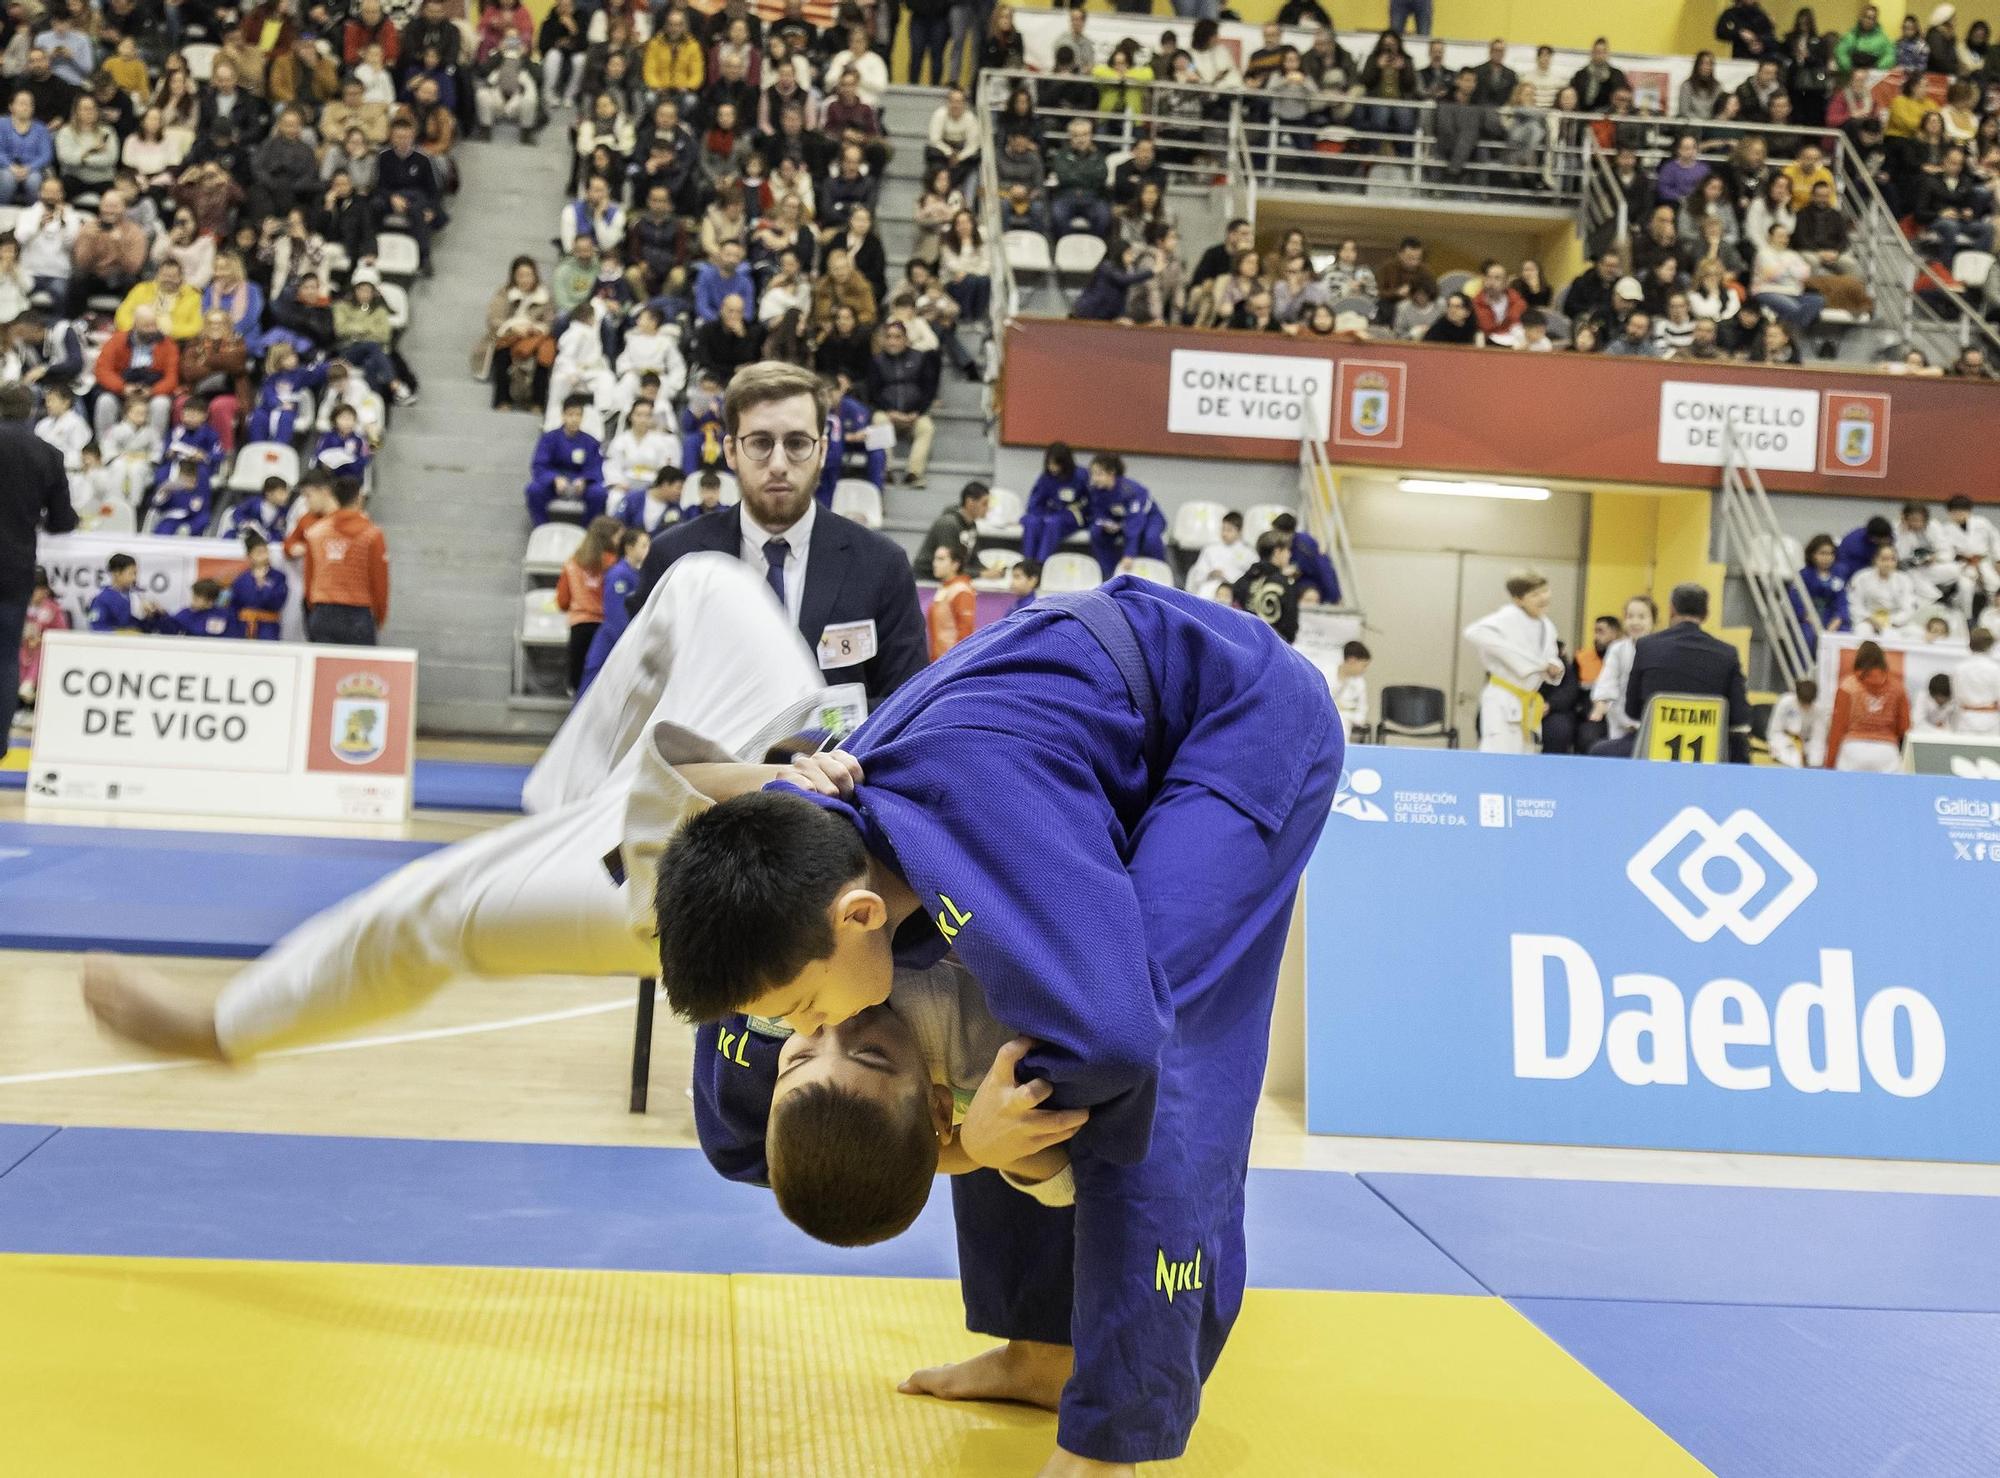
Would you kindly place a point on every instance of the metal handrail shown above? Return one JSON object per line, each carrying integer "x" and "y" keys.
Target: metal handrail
{"x": 1324, "y": 518}
{"x": 1789, "y": 619}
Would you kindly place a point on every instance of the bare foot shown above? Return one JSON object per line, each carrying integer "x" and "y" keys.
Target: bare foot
{"x": 1021, "y": 1370}
{"x": 143, "y": 1006}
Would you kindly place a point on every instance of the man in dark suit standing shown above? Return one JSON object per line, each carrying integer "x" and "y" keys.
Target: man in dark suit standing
{"x": 849, "y": 589}
{"x": 1685, "y": 659}
{"x": 34, "y": 492}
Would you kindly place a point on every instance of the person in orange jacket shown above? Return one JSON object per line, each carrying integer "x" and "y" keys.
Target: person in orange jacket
{"x": 347, "y": 572}
{"x": 580, "y": 589}
{"x": 1871, "y": 714}
{"x": 954, "y": 606}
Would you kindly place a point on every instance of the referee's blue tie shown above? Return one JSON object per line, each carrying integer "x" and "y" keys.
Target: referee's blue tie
{"x": 775, "y": 551}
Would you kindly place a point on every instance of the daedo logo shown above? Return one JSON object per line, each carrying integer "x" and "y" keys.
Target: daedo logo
{"x": 1741, "y": 906}
{"x": 1706, "y": 877}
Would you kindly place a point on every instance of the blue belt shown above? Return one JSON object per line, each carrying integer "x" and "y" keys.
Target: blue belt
{"x": 1103, "y": 619}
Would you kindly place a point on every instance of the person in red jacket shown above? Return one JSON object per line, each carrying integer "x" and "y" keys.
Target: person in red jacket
{"x": 1498, "y": 307}
{"x": 347, "y": 572}
{"x": 368, "y": 26}
{"x": 1871, "y": 714}
{"x": 139, "y": 358}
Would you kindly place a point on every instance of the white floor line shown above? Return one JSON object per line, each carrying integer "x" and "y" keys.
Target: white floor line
{"x": 120, "y": 1069}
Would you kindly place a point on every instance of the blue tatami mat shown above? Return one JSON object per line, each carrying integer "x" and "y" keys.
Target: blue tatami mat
{"x": 436, "y": 785}
{"x": 1759, "y": 1392}
{"x": 1709, "y": 1244}
{"x": 462, "y": 785}
{"x": 174, "y": 892}
{"x": 166, "y": 1193}
{"x": 18, "y": 1141}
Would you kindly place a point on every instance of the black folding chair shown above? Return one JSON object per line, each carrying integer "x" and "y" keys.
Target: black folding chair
{"x": 1415, "y": 713}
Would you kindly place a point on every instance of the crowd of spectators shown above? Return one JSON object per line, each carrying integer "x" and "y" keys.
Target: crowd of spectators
{"x": 197, "y": 196}
{"x": 1720, "y": 217}
{"x": 726, "y": 177}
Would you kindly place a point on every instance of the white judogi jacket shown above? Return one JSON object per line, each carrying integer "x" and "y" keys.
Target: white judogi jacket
{"x": 1976, "y": 684}
{"x": 1886, "y": 604}
{"x": 1609, "y": 689}
{"x": 1514, "y": 645}
{"x": 1796, "y": 735}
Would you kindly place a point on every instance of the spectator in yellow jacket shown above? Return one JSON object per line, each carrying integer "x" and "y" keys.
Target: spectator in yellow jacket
{"x": 178, "y": 305}
{"x": 673, "y": 58}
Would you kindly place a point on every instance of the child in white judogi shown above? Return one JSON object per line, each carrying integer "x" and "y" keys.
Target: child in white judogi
{"x": 1796, "y": 734}
{"x": 637, "y": 453}
{"x": 62, "y": 428}
{"x": 1225, "y": 561}
{"x": 1977, "y": 680}
{"x": 651, "y": 348}
{"x": 1607, "y": 694}
{"x": 1937, "y": 711}
{"x": 1976, "y": 543}
{"x": 1884, "y": 599}
{"x": 130, "y": 449}
{"x": 581, "y": 367}
{"x": 1517, "y": 643}
{"x": 1350, "y": 688}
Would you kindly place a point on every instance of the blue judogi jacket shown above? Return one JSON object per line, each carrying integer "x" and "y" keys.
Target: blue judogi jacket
{"x": 1129, "y": 505}
{"x": 265, "y": 517}
{"x": 1828, "y": 594}
{"x": 182, "y": 512}
{"x": 347, "y": 455}
{"x": 111, "y": 610}
{"x": 1856, "y": 551}
{"x": 559, "y": 454}
{"x": 1058, "y": 497}
{"x": 216, "y": 621}
{"x": 847, "y": 422}
{"x": 632, "y": 513}
{"x": 280, "y": 399}
{"x": 200, "y": 446}
{"x": 259, "y": 605}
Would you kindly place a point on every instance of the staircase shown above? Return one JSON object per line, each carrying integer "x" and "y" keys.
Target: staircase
{"x": 963, "y": 449}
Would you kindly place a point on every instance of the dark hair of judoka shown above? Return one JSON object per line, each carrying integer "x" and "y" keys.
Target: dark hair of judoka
{"x": 743, "y": 898}
{"x": 847, "y": 1169}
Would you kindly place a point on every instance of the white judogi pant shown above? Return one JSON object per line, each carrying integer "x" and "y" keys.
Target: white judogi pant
{"x": 1515, "y": 647}
{"x": 712, "y": 652}
{"x": 1877, "y": 756}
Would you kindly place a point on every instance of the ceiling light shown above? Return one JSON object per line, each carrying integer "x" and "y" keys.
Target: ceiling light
{"x": 1517, "y": 492}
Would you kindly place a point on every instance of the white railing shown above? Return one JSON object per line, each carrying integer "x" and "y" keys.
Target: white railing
{"x": 1789, "y": 620}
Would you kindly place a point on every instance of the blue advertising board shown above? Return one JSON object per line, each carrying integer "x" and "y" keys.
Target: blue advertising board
{"x": 1575, "y": 951}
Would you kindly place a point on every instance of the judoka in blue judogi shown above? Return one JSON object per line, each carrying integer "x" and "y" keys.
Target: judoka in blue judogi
{"x": 847, "y": 431}
{"x": 1125, "y": 522}
{"x": 569, "y": 463}
{"x": 1058, "y": 505}
{"x": 1103, "y": 804}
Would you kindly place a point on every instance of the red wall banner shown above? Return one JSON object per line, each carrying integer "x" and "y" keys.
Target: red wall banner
{"x": 1504, "y": 413}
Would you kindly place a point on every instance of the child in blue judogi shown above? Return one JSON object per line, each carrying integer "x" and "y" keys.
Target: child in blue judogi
{"x": 702, "y": 428}
{"x": 204, "y": 616}
{"x": 287, "y": 383}
{"x": 568, "y": 463}
{"x": 1125, "y": 522}
{"x": 257, "y": 595}
{"x": 657, "y": 508}
{"x": 847, "y": 426}
{"x": 621, "y": 583}
{"x": 181, "y": 505}
{"x": 1058, "y": 504}
{"x": 341, "y": 446}
{"x": 267, "y": 515}
{"x": 1103, "y": 804}
{"x": 113, "y": 609}
{"x": 191, "y": 441}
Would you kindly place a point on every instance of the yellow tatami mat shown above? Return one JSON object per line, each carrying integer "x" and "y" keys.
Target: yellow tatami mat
{"x": 168, "y": 1367}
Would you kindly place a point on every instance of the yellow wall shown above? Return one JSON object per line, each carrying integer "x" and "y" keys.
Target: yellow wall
{"x": 1651, "y": 542}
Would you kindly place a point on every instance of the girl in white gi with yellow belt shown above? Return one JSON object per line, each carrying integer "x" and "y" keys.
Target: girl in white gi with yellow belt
{"x": 1518, "y": 645}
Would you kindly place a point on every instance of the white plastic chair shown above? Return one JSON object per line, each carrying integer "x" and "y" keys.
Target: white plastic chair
{"x": 1065, "y": 571}
{"x": 1258, "y": 518}
{"x": 397, "y": 299}
{"x": 107, "y": 516}
{"x": 1026, "y": 251}
{"x": 1197, "y": 525}
{"x": 550, "y": 546}
{"x": 1972, "y": 268}
{"x": 259, "y": 460}
{"x": 200, "y": 57}
{"x": 859, "y": 499}
{"x": 396, "y": 255}
{"x": 1004, "y": 508}
{"x": 731, "y": 493}
{"x": 1078, "y": 253}
{"x": 542, "y": 624}
{"x": 1156, "y": 570}
{"x": 996, "y": 563}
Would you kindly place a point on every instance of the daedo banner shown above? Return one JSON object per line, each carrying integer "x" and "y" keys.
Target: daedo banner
{"x": 232, "y": 728}
{"x": 1573, "y": 951}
